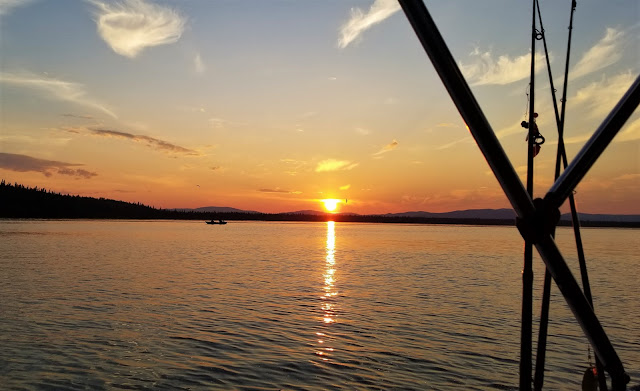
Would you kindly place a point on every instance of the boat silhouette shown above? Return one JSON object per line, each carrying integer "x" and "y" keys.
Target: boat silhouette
{"x": 219, "y": 222}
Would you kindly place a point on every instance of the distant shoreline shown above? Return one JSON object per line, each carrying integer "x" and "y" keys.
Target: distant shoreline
{"x": 20, "y": 202}
{"x": 371, "y": 219}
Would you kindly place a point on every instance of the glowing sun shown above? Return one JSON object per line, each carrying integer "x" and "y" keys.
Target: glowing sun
{"x": 330, "y": 204}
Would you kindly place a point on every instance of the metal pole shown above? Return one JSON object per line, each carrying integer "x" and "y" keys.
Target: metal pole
{"x": 587, "y": 156}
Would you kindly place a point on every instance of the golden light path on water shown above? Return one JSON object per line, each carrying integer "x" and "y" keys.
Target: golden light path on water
{"x": 329, "y": 291}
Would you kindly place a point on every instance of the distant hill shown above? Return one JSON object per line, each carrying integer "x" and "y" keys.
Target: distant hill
{"x": 603, "y": 218}
{"x": 487, "y": 214}
{"x": 506, "y": 214}
{"x": 215, "y": 209}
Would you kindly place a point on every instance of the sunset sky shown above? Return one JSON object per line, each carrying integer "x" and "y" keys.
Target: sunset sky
{"x": 274, "y": 105}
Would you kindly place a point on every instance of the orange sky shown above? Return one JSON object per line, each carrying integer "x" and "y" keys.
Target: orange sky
{"x": 274, "y": 106}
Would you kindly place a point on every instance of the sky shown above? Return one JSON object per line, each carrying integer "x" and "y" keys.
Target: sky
{"x": 274, "y": 105}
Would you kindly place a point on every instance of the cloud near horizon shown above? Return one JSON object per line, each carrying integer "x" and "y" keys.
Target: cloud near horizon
{"x": 56, "y": 89}
{"x": 335, "y": 165}
{"x": 149, "y": 141}
{"x": 486, "y": 70}
{"x": 360, "y": 21}
{"x": 130, "y": 26}
{"x": 605, "y": 52}
{"x": 24, "y": 163}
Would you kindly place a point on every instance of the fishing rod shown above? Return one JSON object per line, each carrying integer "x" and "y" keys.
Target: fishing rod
{"x": 561, "y": 156}
{"x": 527, "y": 269}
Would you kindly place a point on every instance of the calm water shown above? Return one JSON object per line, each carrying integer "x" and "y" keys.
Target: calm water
{"x": 250, "y": 305}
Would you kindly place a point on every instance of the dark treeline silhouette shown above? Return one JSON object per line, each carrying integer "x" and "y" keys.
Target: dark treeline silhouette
{"x": 18, "y": 201}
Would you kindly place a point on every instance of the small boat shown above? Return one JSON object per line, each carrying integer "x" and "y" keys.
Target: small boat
{"x": 216, "y": 222}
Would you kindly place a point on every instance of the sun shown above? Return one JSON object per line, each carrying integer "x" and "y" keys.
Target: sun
{"x": 330, "y": 204}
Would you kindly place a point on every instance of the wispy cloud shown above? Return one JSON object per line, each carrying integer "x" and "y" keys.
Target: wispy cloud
{"x": 279, "y": 190}
{"x": 149, "y": 141}
{"x": 601, "y": 96}
{"x": 605, "y": 52}
{"x": 335, "y": 165}
{"x": 221, "y": 123}
{"x": 485, "y": 69}
{"x": 630, "y": 132}
{"x": 361, "y": 21}
{"x": 130, "y": 26}
{"x": 389, "y": 147}
{"x": 199, "y": 64}
{"x": 8, "y": 5}
{"x": 55, "y": 89}
{"x": 345, "y": 187}
{"x": 24, "y": 163}
{"x": 78, "y": 116}
{"x": 294, "y": 167}
{"x": 447, "y": 125}
{"x": 578, "y": 139}
{"x": 466, "y": 139}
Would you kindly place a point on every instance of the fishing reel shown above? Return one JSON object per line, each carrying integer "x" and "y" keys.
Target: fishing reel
{"x": 538, "y": 139}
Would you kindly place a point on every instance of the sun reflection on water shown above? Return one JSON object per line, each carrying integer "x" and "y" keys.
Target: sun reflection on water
{"x": 328, "y": 298}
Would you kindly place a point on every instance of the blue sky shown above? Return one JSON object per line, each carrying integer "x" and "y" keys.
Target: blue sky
{"x": 274, "y": 105}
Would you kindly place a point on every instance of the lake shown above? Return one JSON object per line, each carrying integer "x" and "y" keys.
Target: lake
{"x": 181, "y": 305}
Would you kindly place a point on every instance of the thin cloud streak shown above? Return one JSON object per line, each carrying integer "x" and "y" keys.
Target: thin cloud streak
{"x": 360, "y": 21}
{"x": 604, "y": 53}
{"x": 466, "y": 139}
{"x": 199, "y": 64}
{"x": 7, "y": 5}
{"x": 278, "y": 190}
{"x": 631, "y": 132}
{"x": 389, "y": 147}
{"x": 24, "y": 163}
{"x": 57, "y": 89}
{"x": 486, "y": 70}
{"x": 130, "y": 26}
{"x": 335, "y": 165}
{"x": 149, "y": 141}
{"x": 69, "y": 115}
